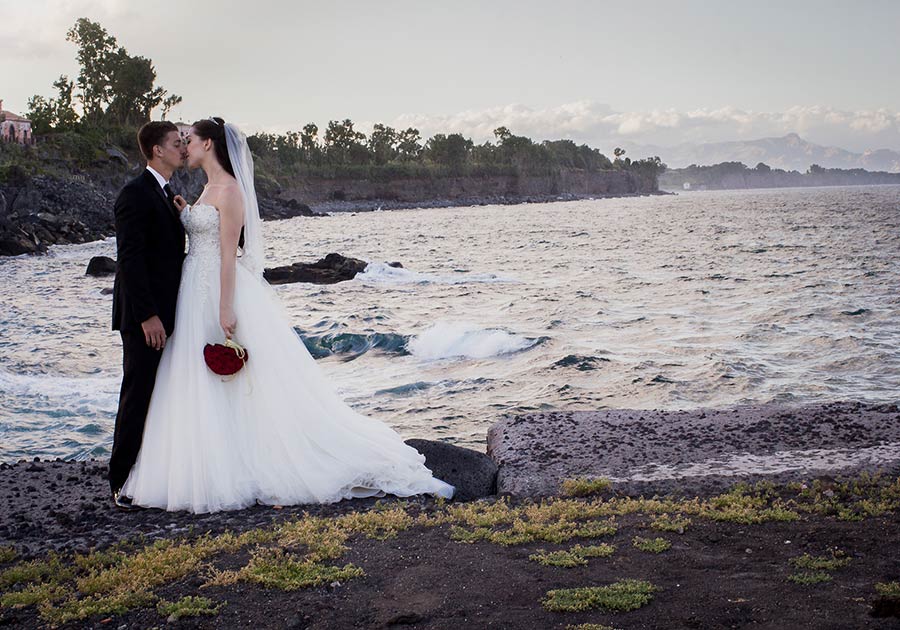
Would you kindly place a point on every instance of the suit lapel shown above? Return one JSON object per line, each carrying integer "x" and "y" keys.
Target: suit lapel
{"x": 160, "y": 194}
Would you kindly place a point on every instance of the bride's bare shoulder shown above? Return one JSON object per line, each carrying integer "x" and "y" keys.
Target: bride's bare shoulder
{"x": 230, "y": 199}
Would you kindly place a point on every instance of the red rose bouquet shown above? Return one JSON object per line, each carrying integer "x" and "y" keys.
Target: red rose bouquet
{"x": 225, "y": 359}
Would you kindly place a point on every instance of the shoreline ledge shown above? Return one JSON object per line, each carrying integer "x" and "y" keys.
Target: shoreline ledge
{"x": 820, "y": 554}
{"x": 695, "y": 452}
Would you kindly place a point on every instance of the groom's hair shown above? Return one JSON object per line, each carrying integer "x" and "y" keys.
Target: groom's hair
{"x": 214, "y": 129}
{"x": 152, "y": 134}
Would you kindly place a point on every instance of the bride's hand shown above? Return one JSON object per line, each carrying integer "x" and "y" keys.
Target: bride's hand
{"x": 180, "y": 202}
{"x": 228, "y": 322}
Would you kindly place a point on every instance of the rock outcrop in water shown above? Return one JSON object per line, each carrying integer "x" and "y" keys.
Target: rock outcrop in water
{"x": 329, "y": 270}
{"x": 101, "y": 266}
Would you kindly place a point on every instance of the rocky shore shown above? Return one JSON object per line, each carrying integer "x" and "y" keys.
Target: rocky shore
{"x": 813, "y": 544}
{"x": 39, "y": 211}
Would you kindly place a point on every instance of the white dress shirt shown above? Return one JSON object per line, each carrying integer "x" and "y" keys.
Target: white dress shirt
{"x": 159, "y": 178}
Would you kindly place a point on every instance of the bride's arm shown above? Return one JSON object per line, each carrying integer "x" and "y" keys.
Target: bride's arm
{"x": 231, "y": 216}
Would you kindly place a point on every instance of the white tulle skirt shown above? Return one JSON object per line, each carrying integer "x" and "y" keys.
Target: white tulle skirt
{"x": 277, "y": 433}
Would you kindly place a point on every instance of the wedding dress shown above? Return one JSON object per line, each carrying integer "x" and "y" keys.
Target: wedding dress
{"x": 276, "y": 433}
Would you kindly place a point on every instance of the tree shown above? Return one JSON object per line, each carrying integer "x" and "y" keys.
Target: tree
{"x": 451, "y": 151}
{"x": 763, "y": 168}
{"x": 168, "y": 103}
{"x": 53, "y": 113}
{"x": 41, "y": 113}
{"x": 132, "y": 90}
{"x": 502, "y": 133}
{"x": 382, "y": 143}
{"x": 97, "y": 53}
{"x": 115, "y": 86}
{"x": 409, "y": 145}
{"x": 64, "y": 114}
{"x": 344, "y": 145}
{"x": 309, "y": 144}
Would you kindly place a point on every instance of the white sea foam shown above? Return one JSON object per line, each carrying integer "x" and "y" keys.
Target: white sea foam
{"x": 382, "y": 273}
{"x": 449, "y": 340}
{"x": 63, "y": 392}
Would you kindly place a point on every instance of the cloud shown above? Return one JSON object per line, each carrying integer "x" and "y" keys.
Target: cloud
{"x": 598, "y": 124}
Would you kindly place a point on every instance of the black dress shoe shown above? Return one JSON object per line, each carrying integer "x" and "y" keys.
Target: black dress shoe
{"x": 124, "y": 503}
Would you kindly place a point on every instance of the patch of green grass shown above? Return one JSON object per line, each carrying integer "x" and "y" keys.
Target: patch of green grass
{"x": 33, "y": 594}
{"x": 574, "y": 557}
{"x": 584, "y": 486}
{"x": 594, "y": 551}
{"x": 651, "y": 545}
{"x": 77, "y": 609}
{"x": 51, "y": 569}
{"x": 888, "y": 589}
{"x": 276, "y": 569}
{"x": 809, "y": 577}
{"x": 623, "y": 595}
{"x": 835, "y": 560}
{"x": 98, "y": 560}
{"x": 596, "y": 529}
{"x": 7, "y": 554}
{"x": 188, "y": 607}
{"x": 562, "y": 558}
{"x": 666, "y": 523}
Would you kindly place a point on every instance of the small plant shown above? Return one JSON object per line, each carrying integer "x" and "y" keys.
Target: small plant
{"x": 623, "y": 595}
{"x": 651, "y": 545}
{"x": 809, "y": 577}
{"x": 835, "y": 560}
{"x": 666, "y": 523}
{"x": 888, "y": 589}
{"x": 590, "y": 626}
{"x": 188, "y": 607}
{"x": 574, "y": 557}
{"x": 275, "y": 569}
{"x": 7, "y": 554}
{"x": 583, "y": 487}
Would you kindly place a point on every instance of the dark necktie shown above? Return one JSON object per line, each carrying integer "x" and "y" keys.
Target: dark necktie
{"x": 169, "y": 194}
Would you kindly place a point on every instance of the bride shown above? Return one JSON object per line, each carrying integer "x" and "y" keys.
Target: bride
{"x": 277, "y": 433}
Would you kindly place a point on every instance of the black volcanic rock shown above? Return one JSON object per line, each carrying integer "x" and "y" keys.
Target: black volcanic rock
{"x": 472, "y": 473}
{"x": 329, "y": 270}
{"x": 101, "y": 266}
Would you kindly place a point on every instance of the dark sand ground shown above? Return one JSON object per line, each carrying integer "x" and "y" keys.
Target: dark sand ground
{"x": 717, "y": 574}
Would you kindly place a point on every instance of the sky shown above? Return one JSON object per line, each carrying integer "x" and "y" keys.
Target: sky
{"x": 648, "y": 72}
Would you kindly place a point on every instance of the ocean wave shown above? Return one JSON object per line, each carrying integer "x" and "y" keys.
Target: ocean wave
{"x": 353, "y": 344}
{"x": 383, "y": 274}
{"x": 461, "y": 340}
{"x": 65, "y": 392}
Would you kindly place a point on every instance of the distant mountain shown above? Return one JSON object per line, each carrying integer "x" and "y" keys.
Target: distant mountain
{"x": 790, "y": 152}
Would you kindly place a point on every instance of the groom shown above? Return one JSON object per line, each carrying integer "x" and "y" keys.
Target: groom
{"x": 150, "y": 250}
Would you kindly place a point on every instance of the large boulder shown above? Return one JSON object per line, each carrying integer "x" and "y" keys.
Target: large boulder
{"x": 696, "y": 452}
{"x": 101, "y": 266}
{"x": 329, "y": 270}
{"x": 473, "y": 473}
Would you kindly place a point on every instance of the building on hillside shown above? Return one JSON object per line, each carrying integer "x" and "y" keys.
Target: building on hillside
{"x": 14, "y": 128}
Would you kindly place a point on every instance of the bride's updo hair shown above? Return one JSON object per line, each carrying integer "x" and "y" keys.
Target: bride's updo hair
{"x": 214, "y": 129}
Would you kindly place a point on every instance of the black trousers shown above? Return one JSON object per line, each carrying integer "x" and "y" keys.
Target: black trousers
{"x": 139, "y": 364}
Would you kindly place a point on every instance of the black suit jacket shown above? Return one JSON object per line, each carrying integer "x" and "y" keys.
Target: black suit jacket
{"x": 150, "y": 251}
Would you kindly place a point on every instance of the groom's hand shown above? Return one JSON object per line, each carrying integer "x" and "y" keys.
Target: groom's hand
{"x": 180, "y": 202}
{"x": 154, "y": 333}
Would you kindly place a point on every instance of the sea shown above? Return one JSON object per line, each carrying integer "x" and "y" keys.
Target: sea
{"x": 699, "y": 299}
